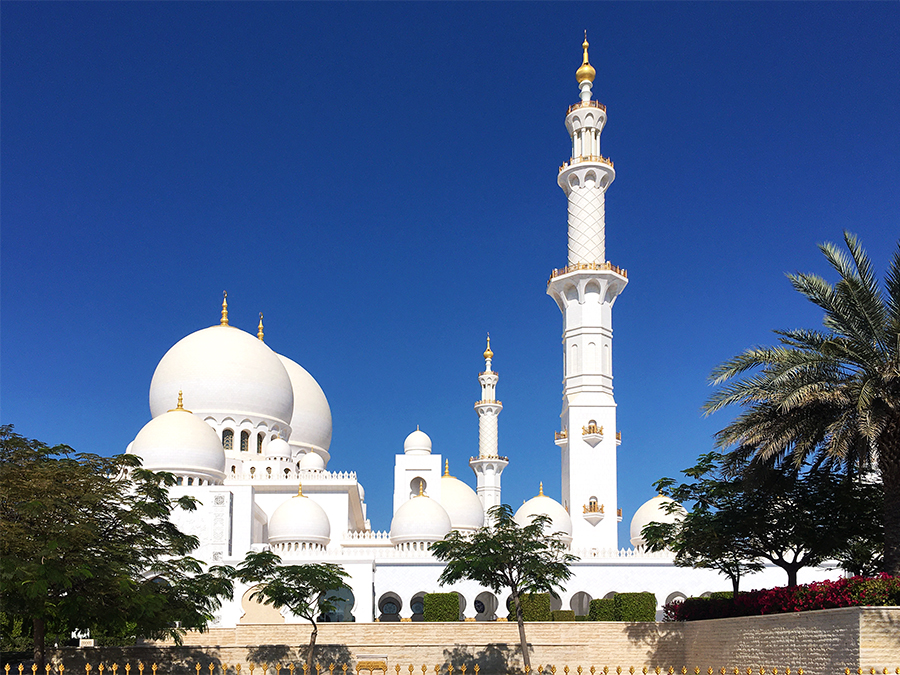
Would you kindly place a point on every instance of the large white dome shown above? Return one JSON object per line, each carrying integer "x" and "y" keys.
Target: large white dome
{"x": 652, "y": 511}
{"x": 181, "y": 443}
{"x": 419, "y": 519}
{"x": 461, "y": 504}
{"x": 299, "y": 520}
{"x": 545, "y": 506}
{"x": 311, "y": 415}
{"x": 224, "y": 372}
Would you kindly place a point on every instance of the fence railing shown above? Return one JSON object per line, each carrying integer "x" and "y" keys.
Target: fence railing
{"x": 372, "y": 667}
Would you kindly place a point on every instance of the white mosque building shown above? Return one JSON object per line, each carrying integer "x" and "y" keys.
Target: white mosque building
{"x": 247, "y": 432}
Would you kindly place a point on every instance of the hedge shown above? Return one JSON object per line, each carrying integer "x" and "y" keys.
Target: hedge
{"x": 535, "y": 607}
{"x": 441, "y": 607}
{"x": 883, "y": 590}
{"x": 602, "y": 609}
{"x": 562, "y": 615}
{"x": 635, "y": 606}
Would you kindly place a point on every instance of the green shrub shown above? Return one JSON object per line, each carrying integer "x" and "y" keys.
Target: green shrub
{"x": 562, "y": 615}
{"x": 535, "y": 607}
{"x": 584, "y": 617}
{"x": 441, "y": 607}
{"x": 602, "y": 609}
{"x": 721, "y": 595}
{"x": 635, "y": 606}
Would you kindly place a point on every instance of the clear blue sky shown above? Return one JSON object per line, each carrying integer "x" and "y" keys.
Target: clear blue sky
{"x": 380, "y": 180}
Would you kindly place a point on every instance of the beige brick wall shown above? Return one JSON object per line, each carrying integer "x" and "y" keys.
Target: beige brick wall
{"x": 822, "y": 643}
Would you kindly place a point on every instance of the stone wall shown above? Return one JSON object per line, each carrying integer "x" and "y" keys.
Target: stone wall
{"x": 822, "y": 643}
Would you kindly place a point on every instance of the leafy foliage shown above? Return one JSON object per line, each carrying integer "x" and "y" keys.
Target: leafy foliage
{"x": 562, "y": 615}
{"x": 535, "y": 606}
{"x": 603, "y": 609}
{"x": 832, "y": 395}
{"x": 88, "y": 544}
{"x": 505, "y": 555}
{"x": 441, "y": 607}
{"x": 306, "y": 590}
{"x": 635, "y": 606}
{"x": 790, "y": 517}
{"x": 853, "y": 592}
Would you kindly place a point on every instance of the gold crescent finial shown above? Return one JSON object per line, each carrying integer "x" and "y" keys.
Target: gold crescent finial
{"x": 224, "y": 321}
{"x": 488, "y": 354}
{"x": 259, "y": 329}
{"x": 541, "y": 490}
{"x": 586, "y": 72}
{"x": 299, "y": 489}
{"x": 421, "y": 488}
{"x": 446, "y": 467}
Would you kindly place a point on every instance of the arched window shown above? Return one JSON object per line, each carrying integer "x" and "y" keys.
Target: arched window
{"x": 228, "y": 439}
{"x": 179, "y": 480}
{"x": 252, "y": 470}
{"x": 245, "y": 441}
{"x": 287, "y": 472}
{"x": 259, "y": 442}
{"x": 190, "y": 481}
{"x": 269, "y": 471}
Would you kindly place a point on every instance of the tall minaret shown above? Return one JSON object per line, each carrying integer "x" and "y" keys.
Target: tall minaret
{"x": 585, "y": 291}
{"x": 488, "y": 465}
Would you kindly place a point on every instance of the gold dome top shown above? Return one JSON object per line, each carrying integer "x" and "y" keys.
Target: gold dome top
{"x": 224, "y": 321}
{"x": 586, "y": 72}
{"x": 488, "y": 354}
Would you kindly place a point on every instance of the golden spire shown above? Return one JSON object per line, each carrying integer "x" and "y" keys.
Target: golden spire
{"x": 421, "y": 488}
{"x": 300, "y": 490}
{"x": 446, "y": 467}
{"x": 259, "y": 329}
{"x": 224, "y": 321}
{"x": 180, "y": 405}
{"x": 541, "y": 490}
{"x": 488, "y": 354}
{"x": 586, "y": 72}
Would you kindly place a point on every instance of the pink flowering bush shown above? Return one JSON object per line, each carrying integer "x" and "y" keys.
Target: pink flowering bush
{"x": 853, "y": 592}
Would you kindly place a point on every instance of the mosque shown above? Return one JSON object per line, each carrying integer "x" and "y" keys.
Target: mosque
{"x": 247, "y": 432}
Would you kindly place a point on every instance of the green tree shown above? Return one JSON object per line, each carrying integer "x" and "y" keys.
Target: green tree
{"x": 712, "y": 535}
{"x": 504, "y": 554}
{"x": 88, "y": 544}
{"x": 306, "y": 590}
{"x": 831, "y": 394}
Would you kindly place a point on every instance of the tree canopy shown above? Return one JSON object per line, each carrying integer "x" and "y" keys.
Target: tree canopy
{"x": 306, "y": 590}
{"x": 831, "y": 395}
{"x": 88, "y": 544}
{"x": 503, "y": 554}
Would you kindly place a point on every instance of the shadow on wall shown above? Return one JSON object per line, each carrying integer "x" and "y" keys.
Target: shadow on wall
{"x": 283, "y": 654}
{"x": 171, "y": 661}
{"x": 495, "y": 659}
{"x": 664, "y": 641}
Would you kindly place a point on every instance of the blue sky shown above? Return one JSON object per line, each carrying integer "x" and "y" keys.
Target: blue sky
{"x": 380, "y": 180}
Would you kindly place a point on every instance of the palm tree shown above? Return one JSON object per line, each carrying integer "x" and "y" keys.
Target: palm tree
{"x": 832, "y": 395}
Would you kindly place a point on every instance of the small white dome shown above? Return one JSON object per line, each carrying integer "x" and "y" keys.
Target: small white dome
{"x": 461, "y": 504}
{"x": 311, "y": 417}
{"x": 545, "y": 506}
{"x": 278, "y": 448}
{"x": 299, "y": 520}
{"x": 182, "y": 443}
{"x": 417, "y": 443}
{"x": 419, "y": 519}
{"x": 224, "y": 372}
{"x": 652, "y": 511}
{"x": 312, "y": 462}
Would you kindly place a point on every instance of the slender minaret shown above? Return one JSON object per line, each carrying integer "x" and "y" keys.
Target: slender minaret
{"x": 488, "y": 465}
{"x": 585, "y": 291}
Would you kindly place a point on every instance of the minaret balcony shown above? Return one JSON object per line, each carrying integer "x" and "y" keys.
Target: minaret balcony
{"x": 600, "y": 159}
{"x": 586, "y": 104}
{"x": 593, "y": 512}
{"x": 595, "y": 266}
{"x": 592, "y": 434}
{"x": 562, "y": 438}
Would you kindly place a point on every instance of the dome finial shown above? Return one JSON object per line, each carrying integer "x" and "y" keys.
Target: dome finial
{"x": 300, "y": 490}
{"x": 446, "y": 467}
{"x": 586, "y": 72}
{"x": 421, "y": 488}
{"x": 259, "y": 329}
{"x": 224, "y": 321}
{"x": 180, "y": 405}
{"x": 541, "y": 490}
{"x": 488, "y": 354}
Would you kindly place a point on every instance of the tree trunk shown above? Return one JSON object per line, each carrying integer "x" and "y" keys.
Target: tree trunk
{"x": 40, "y": 629}
{"x": 520, "y": 620}
{"x": 311, "y": 650}
{"x": 889, "y": 467}
{"x": 735, "y": 582}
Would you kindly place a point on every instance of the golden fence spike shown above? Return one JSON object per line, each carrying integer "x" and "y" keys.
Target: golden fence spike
{"x": 264, "y": 666}
{"x": 477, "y": 668}
{"x": 605, "y": 670}
{"x": 683, "y": 670}
{"x": 317, "y": 669}
{"x": 800, "y": 671}
{"x": 224, "y": 667}
{"x": 722, "y": 670}
{"x": 578, "y": 670}
{"x": 291, "y": 667}
{"x": 553, "y": 670}
{"x": 859, "y": 671}
{"x": 527, "y": 670}
{"x": 618, "y": 670}
{"x": 737, "y": 671}
{"x": 22, "y": 668}
{"x": 34, "y": 668}
{"x": 140, "y": 668}
{"x": 305, "y": 669}
{"x": 114, "y": 668}
{"x": 127, "y": 668}
{"x": 787, "y": 670}
{"x": 566, "y": 669}
{"x": 153, "y": 668}
{"x": 872, "y": 671}
{"x": 424, "y": 669}
{"x": 462, "y": 669}
{"x": 410, "y": 669}
{"x": 197, "y": 667}
{"x": 250, "y": 667}
{"x": 87, "y": 668}
{"x": 656, "y": 670}
{"x": 397, "y": 668}
{"x": 210, "y": 666}
{"x": 450, "y": 668}
{"x": 437, "y": 669}
{"x": 101, "y": 668}
{"x": 237, "y": 669}
{"x": 343, "y": 668}
{"x": 330, "y": 668}
{"x": 631, "y": 670}
{"x": 775, "y": 670}
{"x": 6, "y": 668}
{"x": 540, "y": 668}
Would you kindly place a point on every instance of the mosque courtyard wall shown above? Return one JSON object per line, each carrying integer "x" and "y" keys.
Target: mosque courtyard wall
{"x": 823, "y": 642}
